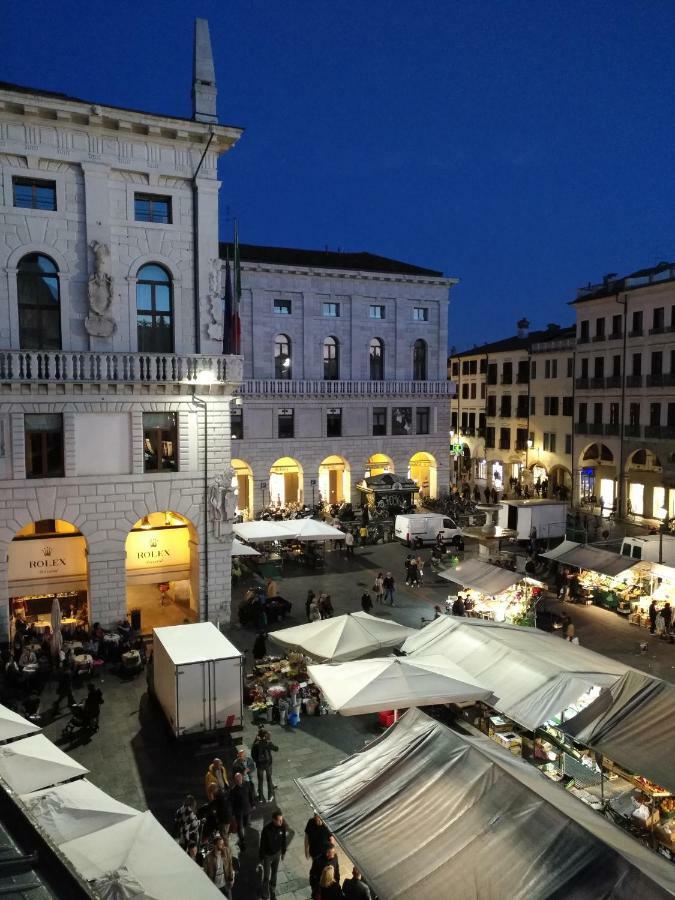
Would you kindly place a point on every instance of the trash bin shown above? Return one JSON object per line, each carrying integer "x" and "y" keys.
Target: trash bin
{"x": 135, "y": 616}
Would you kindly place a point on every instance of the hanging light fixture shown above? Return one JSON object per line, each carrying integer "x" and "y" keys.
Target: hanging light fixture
{"x": 145, "y": 523}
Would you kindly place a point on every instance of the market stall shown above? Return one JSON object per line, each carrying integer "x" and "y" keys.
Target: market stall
{"x": 492, "y": 592}
{"x": 299, "y": 541}
{"x": 658, "y": 582}
{"x": 279, "y": 690}
{"x": 388, "y": 492}
{"x": 342, "y": 638}
{"x": 605, "y": 579}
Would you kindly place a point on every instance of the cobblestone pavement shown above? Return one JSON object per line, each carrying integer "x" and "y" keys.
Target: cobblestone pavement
{"x": 134, "y": 759}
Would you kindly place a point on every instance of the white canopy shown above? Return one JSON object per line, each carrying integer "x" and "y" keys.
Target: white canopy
{"x": 482, "y": 576}
{"x": 239, "y": 549}
{"x": 35, "y": 762}
{"x": 581, "y": 556}
{"x": 260, "y": 531}
{"x": 312, "y": 530}
{"x": 370, "y": 685}
{"x": 343, "y": 637}
{"x": 138, "y": 858}
{"x": 72, "y": 810}
{"x": 533, "y": 674}
{"x": 12, "y": 725}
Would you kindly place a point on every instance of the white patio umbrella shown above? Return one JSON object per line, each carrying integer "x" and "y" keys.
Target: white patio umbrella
{"x": 311, "y": 530}
{"x": 12, "y": 725}
{"x": 34, "y": 762}
{"x": 371, "y": 685}
{"x": 138, "y": 858}
{"x": 343, "y": 637}
{"x": 72, "y": 810}
{"x": 260, "y": 531}
{"x": 57, "y": 637}
{"x": 239, "y": 549}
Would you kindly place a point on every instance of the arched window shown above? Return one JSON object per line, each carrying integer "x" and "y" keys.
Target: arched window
{"x": 39, "y": 303}
{"x": 331, "y": 359}
{"x": 376, "y": 356}
{"x": 420, "y": 360}
{"x": 282, "y": 357}
{"x": 154, "y": 309}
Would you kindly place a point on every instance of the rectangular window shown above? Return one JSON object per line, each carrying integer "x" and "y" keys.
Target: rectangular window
{"x": 583, "y": 413}
{"x": 634, "y": 414}
{"x": 237, "y": 423}
{"x": 567, "y": 406}
{"x": 465, "y": 391}
{"x": 401, "y": 420}
{"x": 455, "y": 369}
{"x": 422, "y": 420}
{"x": 504, "y": 438}
{"x": 616, "y": 325}
{"x": 584, "y": 367}
{"x": 522, "y": 375}
{"x": 483, "y": 388}
{"x": 568, "y": 444}
{"x": 331, "y": 310}
{"x": 482, "y": 368}
{"x": 654, "y": 414}
{"x": 491, "y": 406}
{"x": 597, "y": 413}
{"x": 421, "y": 313}
{"x": 584, "y": 330}
{"x": 659, "y": 319}
{"x": 472, "y": 422}
{"x": 546, "y": 441}
{"x": 547, "y": 369}
{"x": 481, "y": 423}
{"x": 44, "y": 445}
{"x": 507, "y": 373}
{"x": 473, "y": 367}
{"x": 465, "y": 367}
{"x": 613, "y": 413}
{"x": 334, "y": 423}
{"x": 282, "y": 307}
{"x": 473, "y": 390}
{"x": 657, "y": 362}
{"x": 160, "y": 442}
{"x": 599, "y": 328}
{"x": 490, "y": 437}
{"x": 465, "y": 422}
{"x": 599, "y": 367}
{"x": 34, "y": 193}
{"x": 505, "y": 407}
{"x": 453, "y": 420}
{"x": 671, "y": 415}
{"x": 570, "y": 367}
{"x": 551, "y": 443}
{"x": 380, "y": 420}
{"x": 522, "y": 406}
{"x": 533, "y": 369}
{"x": 285, "y": 423}
{"x": 492, "y": 373}
{"x": 636, "y": 328}
{"x": 616, "y": 366}
{"x": 152, "y": 208}
{"x": 378, "y": 312}
{"x": 533, "y": 406}
{"x": 554, "y": 368}
{"x": 637, "y": 364}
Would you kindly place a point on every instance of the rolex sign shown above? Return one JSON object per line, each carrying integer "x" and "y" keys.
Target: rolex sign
{"x": 30, "y": 560}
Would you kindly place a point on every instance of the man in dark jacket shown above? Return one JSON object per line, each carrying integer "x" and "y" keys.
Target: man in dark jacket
{"x": 261, "y": 751}
{"x": 241, "y": 807}
{"x": 355, "y": 888}
{"x": 327, "y": 858}
{"x": 272, "y": 851}
{"x": 317, "y": 837}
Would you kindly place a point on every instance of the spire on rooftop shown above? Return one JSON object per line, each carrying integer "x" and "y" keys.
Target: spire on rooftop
{"x": 204, "y": 89}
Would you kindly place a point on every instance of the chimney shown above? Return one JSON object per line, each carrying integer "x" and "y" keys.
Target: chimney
{"x": 203, "y": 76}
{"x": 523, "y": 328}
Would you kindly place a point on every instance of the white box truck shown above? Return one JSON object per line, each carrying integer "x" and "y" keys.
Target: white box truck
{"x": 649, "y": 547}
{"x": 197, "y": 678}
{"x": 424, "y": 528}
{"x": 547, "y": 517}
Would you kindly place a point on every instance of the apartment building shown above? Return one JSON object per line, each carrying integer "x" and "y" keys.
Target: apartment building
{"x": 344, "y": 375}
{"x": 625, "y": 391}
{"x": 511, "y": 416}
{"x": 114, "y": 394}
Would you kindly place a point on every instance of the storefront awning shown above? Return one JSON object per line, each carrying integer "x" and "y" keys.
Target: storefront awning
{"x": 425, "y": 812}
{"x": 582, "y": 556}
{"x": 481, "y": 576}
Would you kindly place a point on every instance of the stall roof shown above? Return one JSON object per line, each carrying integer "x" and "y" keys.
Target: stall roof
{"x": 342, "y": 638}
{"x": 633, "y": 723}
{"x": 481, "y": 576}
{"x": 582, "y": 556}
{"x": 260, "y": 531}
{"x": 194, "y": 643}
{"x": 13, "y": 725}
{"x": 239, "y": 549}
{"x": 484, "y": 824}
{"x": 311, "y": 530}
{"x": 34, "y": 762}
{"x": 534, "y": 675}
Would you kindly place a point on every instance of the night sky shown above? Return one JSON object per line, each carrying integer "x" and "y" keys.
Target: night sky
{"x": 525, "y": 147}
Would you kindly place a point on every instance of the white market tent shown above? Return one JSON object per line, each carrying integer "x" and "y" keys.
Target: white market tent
{"x": 12, "y": 725}
{"x": 139, "y": 856}
{"x": 581, "y": 556}
{"x": 239, "y": 549}
{"x": 370, "y": 685}
{"x": 34, "y": 762}
{"x": 71, "y": 810}
{"x": 428, "y": 813}
{"x": 260, "y": 531}
{"x": 534, "y": 675}
{"x": 311, "y": 530}
{"x": 343, "y": 637}
{"x": 481, "y": 576}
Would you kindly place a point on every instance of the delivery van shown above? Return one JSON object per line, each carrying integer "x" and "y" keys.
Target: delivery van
{"x": 649, "y": 547}
{"x": 424, "y": 528}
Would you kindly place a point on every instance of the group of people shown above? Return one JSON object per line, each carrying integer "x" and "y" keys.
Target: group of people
{"x": 660, "y": 620}
{"x": 324, "y": 873}
{"x": 414, "y": 570}
{"x": 317, "y": 608}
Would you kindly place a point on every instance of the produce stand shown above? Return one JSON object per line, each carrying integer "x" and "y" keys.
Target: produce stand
{"x": 493, "y": 593}
{"x": 279, "y": 690}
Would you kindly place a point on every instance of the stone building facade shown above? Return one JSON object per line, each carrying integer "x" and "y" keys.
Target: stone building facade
{"x": 344, "y": 375}
{"x": 114, "y": 395}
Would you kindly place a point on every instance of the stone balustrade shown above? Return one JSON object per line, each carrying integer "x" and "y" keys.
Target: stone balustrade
{"x": 260, "y": 387}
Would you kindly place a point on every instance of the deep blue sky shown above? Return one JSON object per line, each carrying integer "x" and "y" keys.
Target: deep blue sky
{"x": 525, "y": 147}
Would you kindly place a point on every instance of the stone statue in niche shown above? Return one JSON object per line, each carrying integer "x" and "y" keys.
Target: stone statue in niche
{"x": 214, "y": 327}
{"x": 222, "y": 500}
{"x": 100, "y": 286}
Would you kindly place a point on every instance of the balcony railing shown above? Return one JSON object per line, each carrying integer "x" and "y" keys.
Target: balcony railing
{"x": 660, "y": 432}
{"x": 612, "y": 428}
{"x": 613, "y": 381}
{"x": 598, "y": 338}
{"x": 658, "y": 329}
{"x": 598, "y": 382}
{"x": 581, "y": 428}
{"x": 595, "y": 428}
{"x": 69, "y": 366}
{"x": 632, "y": 430}
{"x": 315, "y": 388}
{"x": 583, "y": 382}
{"x": 634, "y": 381}
{"x": 615, "y": 336}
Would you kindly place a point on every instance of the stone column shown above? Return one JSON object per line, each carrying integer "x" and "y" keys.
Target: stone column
{"x": 107, "y": 586}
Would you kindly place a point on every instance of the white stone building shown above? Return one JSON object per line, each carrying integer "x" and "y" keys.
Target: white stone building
{"x": 114, "y": 395}
{"x": 344, "y": 375}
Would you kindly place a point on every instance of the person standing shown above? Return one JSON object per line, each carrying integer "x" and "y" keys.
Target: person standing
{"x": 652, "y": 617}
{"x": 327, "y": 858}
{"x": 245, "y": 766}
{"x": 314, "y": 611}
{"x": 272, "y": 851}
{"x": 215, "y": 775}
{"x": 326, "y": 606}
{"x": 349, "y": 543}
{"x": 366, "y": 602}
{"x": 667, "y": 614}
{"x": 219, "y": 867}
{"x": 308, "y": 604}
{"x": 260, "y": 647}
{"x": 378, "y": 587}
{"x": 330, "y": 888}
{"x": 187, "y": 823}
{"x": 407, "y": 562}
{"x": 413, "y": 573}
{"x": 355, "y": 888}
{"x": 272, "y": 589}
{"x": 317, "y": 837}
{"x": 458, "y": 608}
{"x": 389, "y": 584}
{"x": 261, "y": 751}
{"x": 241, "y": 807}
{"x": 420, "y": 569}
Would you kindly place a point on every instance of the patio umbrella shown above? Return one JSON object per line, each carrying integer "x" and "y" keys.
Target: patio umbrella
{"x": 311, "y": 530}
{"x": 371, "y": 685}
{"x": 343, "y": 637}
{"x": 138, "y": 858}
{"x": 12, "y": 725}
{"x": 57, "y": 637}
{"x": 239, "y": 549}
{"x": 34, "y": 762}
{"x": 72, "y": 810}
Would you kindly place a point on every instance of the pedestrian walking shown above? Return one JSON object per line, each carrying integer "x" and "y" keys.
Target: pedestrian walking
{"x": 330, "y": 888}
{"x": 667, "y": 614}
{"x": 420, "y": 569}
{"x": 219, "y": 867}
{"x": 413, "y": 573}
{"x": 378, "y": 588}
{"x": 215, "y": 774}
{"x": 272, "y": 851}
{"x": 308, "y": 602}
{"x": 458, "y": 608}
{"x": 241, "y": 807}
{"x": 349, "y": 544}
{"x": 261, "y": 751}
{"x": 366, "y": 602}
{"x": 326, "y": 606}
{"x": 406, "y": 564}
{"x": 389, "y": 585}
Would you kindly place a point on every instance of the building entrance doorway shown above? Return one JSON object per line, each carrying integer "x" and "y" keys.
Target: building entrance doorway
{"x": 334, "y": 480}
{"x": 285, "y": 482}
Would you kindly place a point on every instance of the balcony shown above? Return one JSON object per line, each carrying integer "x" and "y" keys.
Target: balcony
{"x": 581, "y": 428}
{"x": 615, "y": 336}
{"x": 583, "y": 339}
{"x": 121, "y": 368}
{"x": 659, "y": 329}
{"x": 660, "y": 432}
{"x": 633, "y": 431}
{"x": 521, "y": 412}
{"x": 506, "y": 379}
{"x": 257, "y": 387}
{"x": 637, "y": 333}
{"x": 613, "y": 381}
{"x": 634, "y": 381}
{"x": 522, "y": 378}
{"x": 595, "y": 428}
{"x": 504, "y": 446}
{"x": 599, "y": 338}
{"x": 598, "y": 382}
{"x": 655, "y": 379}
{"x": 583, "y": 383}
{"x": 521, "y": 446}
{"x": 612, "y": 428}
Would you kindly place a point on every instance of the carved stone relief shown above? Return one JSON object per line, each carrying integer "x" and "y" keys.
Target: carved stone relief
{"x": 100, "y": 287}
